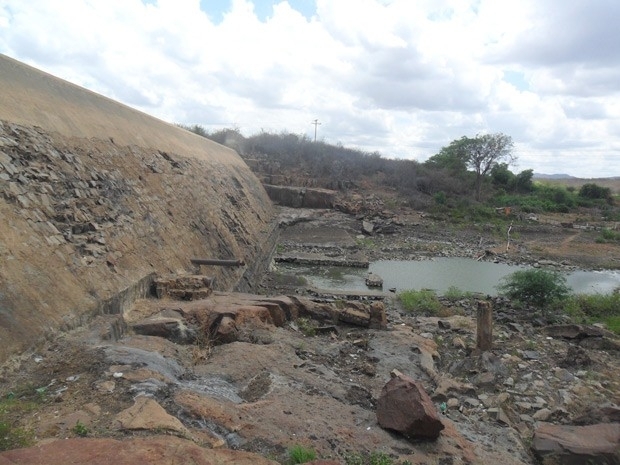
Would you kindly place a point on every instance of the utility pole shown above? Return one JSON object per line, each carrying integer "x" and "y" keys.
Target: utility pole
{"x": 316, "y": 123}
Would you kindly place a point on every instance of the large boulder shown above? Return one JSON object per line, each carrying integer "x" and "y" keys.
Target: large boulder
{"x": 405, "y": 407}
{"x": 577, "y": 445}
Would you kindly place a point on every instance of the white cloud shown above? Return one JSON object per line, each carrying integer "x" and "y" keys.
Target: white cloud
{"x": 399, "y": 77}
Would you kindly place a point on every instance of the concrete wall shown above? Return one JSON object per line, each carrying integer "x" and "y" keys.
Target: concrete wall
{"x": 95, "y": 197}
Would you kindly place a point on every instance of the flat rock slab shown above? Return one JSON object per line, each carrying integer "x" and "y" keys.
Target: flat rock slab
{"x": 158, "y": 450}
{"x": 576, "y": 445}
{"x": 147, "y": 414}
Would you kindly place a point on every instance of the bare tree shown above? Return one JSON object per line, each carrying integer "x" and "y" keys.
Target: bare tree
{"x": 485, "y": 151}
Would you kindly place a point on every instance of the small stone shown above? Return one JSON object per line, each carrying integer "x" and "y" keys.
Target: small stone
{"x": 509, "y": 382}
{"x": 453, "y": 402}
{"x": 524, "y": 405}
{"x": 542, "y": 414}
{"x": 526, "y": 418}
{"x": 471, "y": 402}
{"x": 502, "y": 397}
{"x": 106, "y": 386}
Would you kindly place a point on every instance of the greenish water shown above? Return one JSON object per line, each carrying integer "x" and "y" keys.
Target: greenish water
{"x": 440, "y": 274}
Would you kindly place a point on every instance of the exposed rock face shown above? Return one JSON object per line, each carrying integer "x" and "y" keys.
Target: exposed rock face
{"x": 222, "y": 317}
{"x": 577, "y": 445}
{"x": 158, "y": 450}
{"x": 405, "y": 407}
{"x": 95, "y": 197}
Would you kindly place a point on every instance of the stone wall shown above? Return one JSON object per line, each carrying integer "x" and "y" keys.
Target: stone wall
{"x": 301, "y": 197}
{"x": 96, "y": 198}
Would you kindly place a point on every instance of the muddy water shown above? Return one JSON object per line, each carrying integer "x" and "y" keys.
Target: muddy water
{"x": 440, "y": 274}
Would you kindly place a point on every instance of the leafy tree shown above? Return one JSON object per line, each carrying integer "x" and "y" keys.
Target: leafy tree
{"x": 523, "y": 181}
{"x": 486, "y": 151}
{"x": 480, "y": 154}
{"x": 535, "y": 287}
{"x": 453, "y": 158}
{"x": 502, "y": 177}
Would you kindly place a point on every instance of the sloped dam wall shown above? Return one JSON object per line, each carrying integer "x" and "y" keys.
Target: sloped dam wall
{"x": 96, "y": 197}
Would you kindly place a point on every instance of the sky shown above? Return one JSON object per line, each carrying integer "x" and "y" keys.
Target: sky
{"x": 400, "y": 77}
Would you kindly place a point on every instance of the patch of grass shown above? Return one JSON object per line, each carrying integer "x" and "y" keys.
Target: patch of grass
{"x": 12, "y": 407}
{"x": 608, "y": 235}
{"x": 80, "y": 429}
{"x": 612, "y": 323}
{"x": 374, "y": 458}
{"x": 12, "y": 437}
{"x": 455, "y": 293}
{"x": 422, "y": 301}
{"x": 593, "y": 308}
{"x": 301, "y": 454}
{"x": 366, "y": 243}
{"x": 306, "y": 326}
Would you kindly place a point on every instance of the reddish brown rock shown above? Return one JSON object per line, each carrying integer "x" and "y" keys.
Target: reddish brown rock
{"x": 577, "y": 445}
{"x": 158, "y": 450}
{"x": 147, "y": 414}
{"x": 405, "y": 407}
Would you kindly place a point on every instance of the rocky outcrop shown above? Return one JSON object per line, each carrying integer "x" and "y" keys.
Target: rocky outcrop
{"x": 577, "y": 445}
{"x": 405, "y": 407}
{"x": 96, "y": 197}
{"x": 225, "y": 317}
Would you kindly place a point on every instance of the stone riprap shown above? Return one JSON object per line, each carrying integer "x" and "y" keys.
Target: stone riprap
{"x": 96, "y": 196}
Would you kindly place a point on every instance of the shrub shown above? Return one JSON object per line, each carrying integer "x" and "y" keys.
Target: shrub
{"x": 80, "y": 429}
{"x": 608, "y": 235}
{"x": 423, "y": 301}
{"x": 594, "y": 191}
{"x": 301, "y": 454}
{"x": 535, "y": 287}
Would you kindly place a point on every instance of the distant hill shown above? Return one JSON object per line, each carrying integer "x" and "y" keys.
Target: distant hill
{"x": 552, "y": 176}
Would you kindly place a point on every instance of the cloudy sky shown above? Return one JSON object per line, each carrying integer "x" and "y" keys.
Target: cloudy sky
{"x": 401, "y": 77}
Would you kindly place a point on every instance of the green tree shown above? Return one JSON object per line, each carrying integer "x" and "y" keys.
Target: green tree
{"x": 523, "y": 181}
{"x": 535, "y": 287}
{"x": 453, "y": 158}
{"x": 503, "y": 177}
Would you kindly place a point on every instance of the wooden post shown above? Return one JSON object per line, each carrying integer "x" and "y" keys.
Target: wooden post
{"x": 484, "y": 335}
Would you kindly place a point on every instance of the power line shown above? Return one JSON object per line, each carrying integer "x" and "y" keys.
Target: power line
{"x": 316, "y": 123}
